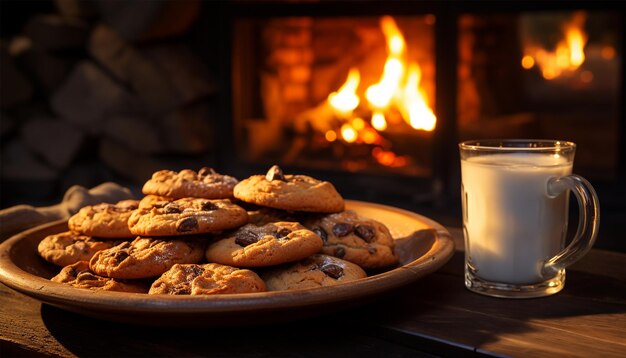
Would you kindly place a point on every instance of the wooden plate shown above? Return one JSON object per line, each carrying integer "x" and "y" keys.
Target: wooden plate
{"x": 422, "y": 246}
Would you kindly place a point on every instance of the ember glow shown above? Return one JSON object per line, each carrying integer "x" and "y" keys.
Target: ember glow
{"x": 345, "y": 100}
{"x": 348, "y": 133}
{"x": 568, "y": 55}
{"x": 378, "y": 121}
{"x": 388, "y": 158}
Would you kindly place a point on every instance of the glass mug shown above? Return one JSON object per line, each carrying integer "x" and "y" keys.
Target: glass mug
{"x": 515, "y": 196}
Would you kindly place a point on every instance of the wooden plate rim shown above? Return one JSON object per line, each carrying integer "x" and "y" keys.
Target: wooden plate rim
{"x": 86, "y": 300}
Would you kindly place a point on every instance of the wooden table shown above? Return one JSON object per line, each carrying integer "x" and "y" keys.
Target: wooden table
{"x": 435, "y": 316}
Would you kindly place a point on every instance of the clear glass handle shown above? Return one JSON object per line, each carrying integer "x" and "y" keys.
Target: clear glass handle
{"x": 588, "y": 222}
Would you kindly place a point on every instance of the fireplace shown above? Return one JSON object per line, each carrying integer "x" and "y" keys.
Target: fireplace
{"x": 340, "y": 95}
{"x": 377, "y": 99}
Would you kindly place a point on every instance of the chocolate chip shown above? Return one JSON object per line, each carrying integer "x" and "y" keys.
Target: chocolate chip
{"x": 275, "y": 173}
{"x": 120, "y": 256}
{"x": 160, "y": 204}
{"x": 342, "y": 229}
{"x": 321, "y": 233}
{"x": 245, "y": 238}
{"x": 282, "y": 233}
{"x": 196, "y": 271}
{"x": 332, "y": 270}
{"x": 85, "y": 276}
{"x": 209, "y": 206}
{"x": 187, "y": 224}
{"x": 340, "y": 252}
{"x": 371, "y": 249}
{"x": 172, "y": 208}
{"x": 206, "y": 171}
{"x": 365, "y": 232}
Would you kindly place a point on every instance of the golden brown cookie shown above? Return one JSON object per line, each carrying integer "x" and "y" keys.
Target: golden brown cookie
{"x": 104, "y": 220}
{"x": 314, "y": 271}
{"x": 79, "y": 275}
{"x": 207, "y": 279}
{"x": 267, "y": 245}
{"x": 289, "y": 192}
{"x": 69, "y": 247}
{"x": 146, "y": 257}
{"x": 186, "y": 216}
{"x": 206, "y": 183}
{"x": 349, "y": 236}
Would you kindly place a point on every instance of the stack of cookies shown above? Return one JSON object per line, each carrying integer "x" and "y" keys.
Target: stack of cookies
{"x": 190, "y": 235}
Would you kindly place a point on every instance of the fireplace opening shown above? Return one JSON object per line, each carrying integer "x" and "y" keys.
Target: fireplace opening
{"x": 345, "y": 94}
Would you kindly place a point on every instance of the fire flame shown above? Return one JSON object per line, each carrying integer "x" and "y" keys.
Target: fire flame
{"x": 408, "y": 99}
{"x": 419, "y": 114}
{"x": 397, "y": 89}
{"x": 346, "y": 100}
{"x": 569, "y": 54}
{"x": 379, "y": 95}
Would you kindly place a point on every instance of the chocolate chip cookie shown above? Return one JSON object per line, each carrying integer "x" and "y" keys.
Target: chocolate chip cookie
{"x": 267, "y": 245}
{"x": 69, "y": 247}
{"x": 207, "y": 279}
{"x": 79, "y": 275}
{"x": 186, "y": 216}
{"x": 206, "y": 183}
{"x": 104, "y": 220}
{"x": 314, "y": 271}
{"x": 146, "y": 257}
{"x": 349, "y": 236}
{"x": 289, "y": 192}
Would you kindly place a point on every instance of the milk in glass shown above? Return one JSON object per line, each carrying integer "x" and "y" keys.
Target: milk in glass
{"x": 511, "y": 223}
